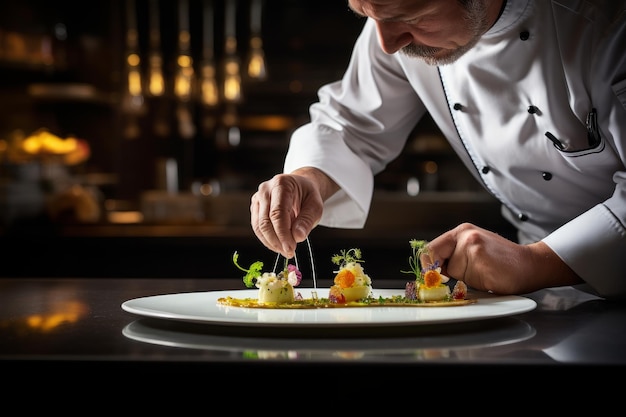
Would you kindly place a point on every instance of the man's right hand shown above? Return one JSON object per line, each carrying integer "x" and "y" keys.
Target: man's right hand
{"x": 287, "y": 207}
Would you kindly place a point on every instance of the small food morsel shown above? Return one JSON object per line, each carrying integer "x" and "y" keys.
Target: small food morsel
{"x": 274, "y": 288}
{"x": 351, "y": 283}
{"x": 429, "y": 284}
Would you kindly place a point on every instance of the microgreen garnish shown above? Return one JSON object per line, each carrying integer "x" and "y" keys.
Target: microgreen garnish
{"x": 418, "y": 247}
{"x": 252, "y": 273}
{"x": 347, "y": 256}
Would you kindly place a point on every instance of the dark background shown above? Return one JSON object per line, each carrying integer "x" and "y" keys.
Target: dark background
{"x": 48, "y": 48}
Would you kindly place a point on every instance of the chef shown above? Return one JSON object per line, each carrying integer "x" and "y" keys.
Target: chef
{"x": 531, "y": 94}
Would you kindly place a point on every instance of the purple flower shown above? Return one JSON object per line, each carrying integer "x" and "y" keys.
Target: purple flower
{"x": 294, "y": 276}
{"x": 410, "y": 290}
{"x": 431, "y": 267}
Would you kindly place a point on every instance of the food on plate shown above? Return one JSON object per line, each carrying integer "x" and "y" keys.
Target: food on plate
{"x": 273, "y": 288}
{"x": 430, "y": 285}
{"x": 352, "y": 287}
{"x": 351, "y": 283}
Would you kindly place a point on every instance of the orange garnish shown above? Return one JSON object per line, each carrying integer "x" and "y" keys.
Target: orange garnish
{"x": 344, "y": 278}
{"x": 432, "y": 278}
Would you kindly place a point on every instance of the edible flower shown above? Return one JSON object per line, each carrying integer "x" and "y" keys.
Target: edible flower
{"x": 294, "y": 276}
{"x": 290, "y": 273}
{"x": 419, "y": 248}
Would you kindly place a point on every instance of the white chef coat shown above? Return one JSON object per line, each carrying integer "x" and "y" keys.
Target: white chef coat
{"x": 538, "y": 72}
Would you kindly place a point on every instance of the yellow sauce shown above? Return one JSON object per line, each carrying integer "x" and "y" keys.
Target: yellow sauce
{"x": 311, "y": 303}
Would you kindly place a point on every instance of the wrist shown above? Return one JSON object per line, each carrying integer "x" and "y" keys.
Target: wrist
{"x": 552, "y": 271}
{"x": 326, "y": 185}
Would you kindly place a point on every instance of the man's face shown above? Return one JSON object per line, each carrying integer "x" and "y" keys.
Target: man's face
{"x": 437, "y": 31}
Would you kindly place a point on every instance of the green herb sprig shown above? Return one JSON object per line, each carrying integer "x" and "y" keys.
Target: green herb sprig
{"x": 252, "y": 273}
{"x": 347, "y": 256}
{"x": 418, "y": 247}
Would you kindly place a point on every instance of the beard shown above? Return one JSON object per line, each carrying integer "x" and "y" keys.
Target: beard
{"x": 477, "y": 24}
{"x": 438, "y": 56}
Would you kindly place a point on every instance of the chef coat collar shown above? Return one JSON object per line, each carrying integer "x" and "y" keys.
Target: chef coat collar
{"x": 514, "y": 11}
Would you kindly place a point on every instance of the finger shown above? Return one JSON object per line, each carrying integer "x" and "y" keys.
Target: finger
{"x": 427, "y": 260}
{"x": 307, "y": 218}
{"x": 281, "y": 216}
{"x": 258, "y": 217}
{"x": 265, "y": 227}
{"x": 446, "y": 250}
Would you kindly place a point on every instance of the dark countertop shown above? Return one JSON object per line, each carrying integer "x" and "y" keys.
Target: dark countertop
{"x": 76, "y": 326}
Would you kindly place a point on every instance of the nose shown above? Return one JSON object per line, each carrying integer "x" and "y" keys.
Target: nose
{"x": 392, "y": 36}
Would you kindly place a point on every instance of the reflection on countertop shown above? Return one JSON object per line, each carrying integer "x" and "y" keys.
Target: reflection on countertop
{"x": 76, "y": 326}
{"x": 466, "y": 343}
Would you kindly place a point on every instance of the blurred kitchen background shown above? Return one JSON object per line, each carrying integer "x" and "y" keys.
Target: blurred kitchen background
{"x": 132, "y": 134}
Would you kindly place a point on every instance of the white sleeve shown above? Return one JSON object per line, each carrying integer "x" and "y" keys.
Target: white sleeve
{"x": 357, "y": 127}
{"x": 594, "y": 245}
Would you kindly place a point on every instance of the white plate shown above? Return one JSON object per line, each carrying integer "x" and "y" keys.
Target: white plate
{"x": 202, "y": 307}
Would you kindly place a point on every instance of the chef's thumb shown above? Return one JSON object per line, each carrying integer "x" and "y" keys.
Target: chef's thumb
{"x": 302, "y": 226}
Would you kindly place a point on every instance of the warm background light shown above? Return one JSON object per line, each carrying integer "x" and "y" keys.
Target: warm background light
{"x": 209, "y": 90}
{"x": 156, "y": 83}
{"x": 184, "y": 77}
